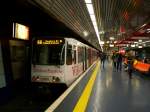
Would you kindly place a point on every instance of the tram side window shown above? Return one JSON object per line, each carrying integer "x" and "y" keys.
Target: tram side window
{"x": 74, "y": 58}
{"x": 80, "y": 54}
{"x": 69, "y": 54}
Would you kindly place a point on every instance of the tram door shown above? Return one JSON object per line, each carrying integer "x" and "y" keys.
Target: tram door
{"x": 19, "y": 58}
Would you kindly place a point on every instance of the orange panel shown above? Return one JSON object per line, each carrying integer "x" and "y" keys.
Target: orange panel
{"x": 143, "y": 67}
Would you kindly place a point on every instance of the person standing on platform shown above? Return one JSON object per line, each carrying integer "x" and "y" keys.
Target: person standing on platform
{"x": 119, "y": 61}
{"x": 130, "y": 68}
{"x": 114, "y": 59}
{"x": 103, "y": 58}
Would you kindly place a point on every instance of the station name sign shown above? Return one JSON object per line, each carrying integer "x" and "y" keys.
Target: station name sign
{"x": 50, "y": 42}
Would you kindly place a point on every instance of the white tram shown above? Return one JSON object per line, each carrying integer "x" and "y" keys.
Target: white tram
{"x": 60, "y": 60}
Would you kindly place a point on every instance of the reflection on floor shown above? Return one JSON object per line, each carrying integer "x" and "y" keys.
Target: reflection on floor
{"x": 115, "y": 92}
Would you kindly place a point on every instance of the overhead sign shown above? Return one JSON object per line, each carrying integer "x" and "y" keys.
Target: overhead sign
{"x": 20, "y": 31}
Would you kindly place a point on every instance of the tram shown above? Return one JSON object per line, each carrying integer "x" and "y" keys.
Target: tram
{"x": 60, "y": 60}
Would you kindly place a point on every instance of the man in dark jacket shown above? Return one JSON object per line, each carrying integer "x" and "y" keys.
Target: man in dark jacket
{"x": 119, "y": 62}
{"x": 103, "y": 58}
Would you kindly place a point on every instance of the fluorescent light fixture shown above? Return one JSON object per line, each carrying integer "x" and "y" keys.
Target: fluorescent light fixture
{"x": 135, "y": 42}
{"x": 93, "y": 18}
{"x": 107, "y": 42}
{"x": 94, "y": 23}
{"x": 133, "y": 45}
{"x": 146, "y": 41}
{"x": 90, "y": 8}
{"x": 101, "y": 42}
{"x": 140, "y": 40}
{"x": 111, "y": 45}
{"x": 148, "y": 32}
{"x": 140, "y": 47}
{"x": 111, "y": 38}
{"x": 95, "y": 26}
{"x": 88, "y": 1}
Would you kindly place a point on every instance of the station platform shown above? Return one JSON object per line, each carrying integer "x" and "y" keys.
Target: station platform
{"x": 105, "y": 90}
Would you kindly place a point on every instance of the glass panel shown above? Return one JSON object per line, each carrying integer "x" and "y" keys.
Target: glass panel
{"x": 48, "y": 55}
{"x": 69, "y": 54}
{"x": 80, "y": 54}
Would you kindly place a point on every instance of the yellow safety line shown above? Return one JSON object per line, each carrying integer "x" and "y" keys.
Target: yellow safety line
{"x": 82, "y": 102}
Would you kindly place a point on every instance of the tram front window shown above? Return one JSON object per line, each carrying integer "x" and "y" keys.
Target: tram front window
{"x": 48, "y": 55}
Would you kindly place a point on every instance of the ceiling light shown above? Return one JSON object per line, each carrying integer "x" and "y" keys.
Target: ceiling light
{"x": 88, "y": 1}
{"x": 140, "y": 40}
{"x": 111, "y": 38}
{"x": 115, "y": 41}
{"x": 92, "y": 16}
{"x": 85, "y": 33}
{"x": 135, "y": 42}
{"x": 94, "y": 23}
{"x": 133, "y": 45}
{"x": 107, "y": 42}
{"x": 111, "y": 45}
{"x": 95, "y": 27}
{"x": 90, "y": 8}
{"x": 146, "y": 41}
{"x": 140, "y": 47}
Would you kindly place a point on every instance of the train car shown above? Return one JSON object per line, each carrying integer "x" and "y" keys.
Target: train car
{"x": 60, "y": 60}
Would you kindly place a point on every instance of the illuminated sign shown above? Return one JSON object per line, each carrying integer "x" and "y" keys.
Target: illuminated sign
{"x": 50, "y": 42}
{"x": 20, "y": 31}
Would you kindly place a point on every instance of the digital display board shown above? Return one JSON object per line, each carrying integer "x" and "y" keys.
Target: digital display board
{"x": 50, "y": 42}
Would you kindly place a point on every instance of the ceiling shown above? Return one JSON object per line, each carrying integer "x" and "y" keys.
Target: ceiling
{"x": 120, "y": 19}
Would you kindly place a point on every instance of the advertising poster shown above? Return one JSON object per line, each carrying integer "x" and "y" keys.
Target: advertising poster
{"x": 2, "y": 76}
